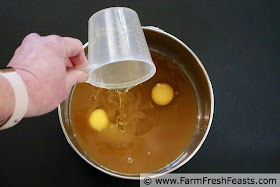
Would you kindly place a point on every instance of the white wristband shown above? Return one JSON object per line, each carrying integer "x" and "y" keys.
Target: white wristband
{"x": 21, "y": 97}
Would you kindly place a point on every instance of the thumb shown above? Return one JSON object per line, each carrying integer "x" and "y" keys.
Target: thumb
{"x": 74, "y": 76}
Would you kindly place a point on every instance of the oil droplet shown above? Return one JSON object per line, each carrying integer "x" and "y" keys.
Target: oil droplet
{"x": 129, "y": 160}
{"x": 149, "y": 153}
{"x": 93, "y": 98}
{"x": 122, "y": 131}
{"x": 120, "y": 119}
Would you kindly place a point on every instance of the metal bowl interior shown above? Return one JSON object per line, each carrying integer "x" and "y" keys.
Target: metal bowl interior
{"x": 182, "y": 55}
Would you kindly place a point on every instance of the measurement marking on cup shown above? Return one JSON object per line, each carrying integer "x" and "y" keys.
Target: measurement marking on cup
{"x": 139, "y": 41}
{"x": 121, "y": 33}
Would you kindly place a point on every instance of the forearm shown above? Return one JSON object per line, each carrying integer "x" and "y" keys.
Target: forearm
{"x": 7, "y": 100}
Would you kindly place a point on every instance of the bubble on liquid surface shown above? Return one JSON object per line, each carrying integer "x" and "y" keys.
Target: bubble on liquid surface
{"x": 113, "y": 99}
{"x": 121, "y": 117}
{"x": 93, "y": 98}
{"x": 129, "y": 160}
{"x": 149, "y": 153}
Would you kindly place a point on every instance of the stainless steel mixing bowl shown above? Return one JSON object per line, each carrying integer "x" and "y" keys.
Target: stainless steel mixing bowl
{"x": 184, "y": 57}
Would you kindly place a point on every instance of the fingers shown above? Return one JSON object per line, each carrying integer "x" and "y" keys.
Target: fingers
{"x": 75, "y": 76}
{"x": 68, "y": 63}
{"x": 70, "y": 48}
{"x": 79, "y": 59}
{"x": 75, "y": 51}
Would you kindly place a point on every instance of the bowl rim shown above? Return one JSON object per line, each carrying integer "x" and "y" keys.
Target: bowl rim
{"x": 155, "y": 29}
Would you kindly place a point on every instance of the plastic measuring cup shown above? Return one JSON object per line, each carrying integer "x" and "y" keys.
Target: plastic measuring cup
{"x": 118, "y": 54}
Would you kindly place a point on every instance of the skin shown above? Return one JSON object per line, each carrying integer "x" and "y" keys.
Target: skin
{"x": 45, "y": 65}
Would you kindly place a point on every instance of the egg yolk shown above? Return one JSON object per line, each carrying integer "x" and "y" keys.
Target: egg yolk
{"x": 162, "y": 94}
{"x": 98, "y": 120}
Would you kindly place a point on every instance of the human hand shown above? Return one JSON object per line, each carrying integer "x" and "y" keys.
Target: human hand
{"x": 44, "y": 64}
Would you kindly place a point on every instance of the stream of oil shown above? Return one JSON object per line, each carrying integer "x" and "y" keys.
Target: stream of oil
{"x": 121, "y": 117}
